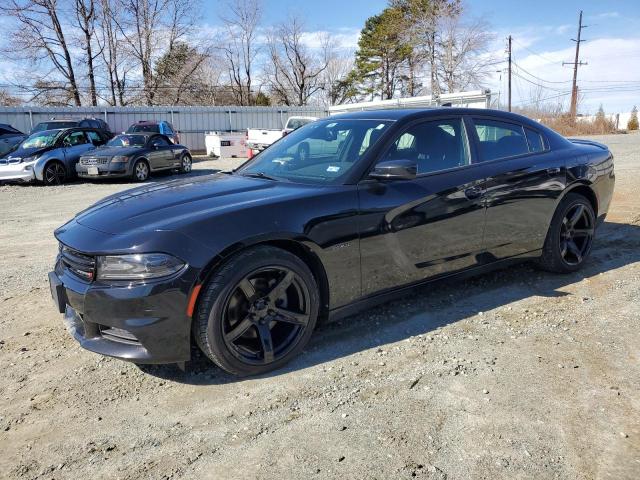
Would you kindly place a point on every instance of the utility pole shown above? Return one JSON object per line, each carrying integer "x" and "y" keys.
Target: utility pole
{"x": 576, "y": 63}
{"x": 509, "y": 68}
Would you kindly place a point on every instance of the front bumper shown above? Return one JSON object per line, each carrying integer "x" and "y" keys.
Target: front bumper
{"x": 141, "y": 323}
{"x": 109, "y": 170}
{"x": 17, "y": 173}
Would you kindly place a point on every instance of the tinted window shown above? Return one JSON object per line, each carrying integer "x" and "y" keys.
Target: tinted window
{"x": 434, "y": 146}
{"x": 500, "y": 139}
{"x": 319, "y": 152}
{"x": 128, "y": 141}
{"x": 95, "y": 138}
{"x": 152, "y": 127}
{"x": 53, "y": 125}
{"x": 159, "y": 142}
{"x": 535, "y": 140}
{"x": 75, "y": 138}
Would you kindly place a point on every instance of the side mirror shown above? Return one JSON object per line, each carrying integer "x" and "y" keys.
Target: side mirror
{"x": 395, "y": 170}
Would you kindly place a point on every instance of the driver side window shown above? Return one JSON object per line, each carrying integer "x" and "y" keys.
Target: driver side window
{"x": 74, "y": 139}
{"x": 435, "y": 145}
{"x": 159, "y": 142}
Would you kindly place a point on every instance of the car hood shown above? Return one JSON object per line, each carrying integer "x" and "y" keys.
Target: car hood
{"x": 170, "y": 205}
{"x": 27, "y": 152}
{"x": 113, "y": 151}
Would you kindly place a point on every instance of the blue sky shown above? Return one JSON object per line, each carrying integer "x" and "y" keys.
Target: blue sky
{"x": 541, "y": 29}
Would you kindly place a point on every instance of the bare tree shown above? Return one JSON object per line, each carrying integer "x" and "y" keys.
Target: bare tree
{"x": 40, "y": 36}
{"x": 240, "y": 46}
{"x": 295, "y": 72}
{"x": 463, "y": 60}
{"x": 336, "y": 85}
{"x": 114, "y": 58}
{"x": 86, "y": 16}
{"x": 149, "y": 25}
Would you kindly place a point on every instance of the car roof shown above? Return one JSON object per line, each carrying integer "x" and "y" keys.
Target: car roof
{"x": 411, "y": 113}
{"x": 145, "y": 134}
{"x": 149, "y": 122}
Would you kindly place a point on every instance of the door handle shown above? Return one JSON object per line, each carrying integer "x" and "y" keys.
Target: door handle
{"x": 553, "y": 170}
{"x": 473, "y": 192}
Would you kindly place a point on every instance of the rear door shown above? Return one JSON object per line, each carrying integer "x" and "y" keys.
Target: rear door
{"x": 428, "y": 226}
{"x": 524, "y": 180}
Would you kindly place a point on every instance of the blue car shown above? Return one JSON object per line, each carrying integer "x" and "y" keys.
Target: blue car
{"x": 50, "y": 156}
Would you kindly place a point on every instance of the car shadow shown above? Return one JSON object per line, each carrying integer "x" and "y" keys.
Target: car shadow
{"x": 426, "y": 308}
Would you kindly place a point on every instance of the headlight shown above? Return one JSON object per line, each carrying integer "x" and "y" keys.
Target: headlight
{"x": 120, "y": 159}
{"x": 29, "y": 159}
{"x": 137, "y": 266}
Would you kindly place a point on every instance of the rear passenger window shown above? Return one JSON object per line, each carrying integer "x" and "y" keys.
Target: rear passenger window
{"x": 534, "y": 139}
{"x": 500, "y": 139}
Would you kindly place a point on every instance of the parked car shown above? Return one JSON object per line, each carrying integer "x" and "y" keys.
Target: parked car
{"x": 260, "y": 138}
{"x": 50, "y": 156}
{"x": 9, "y": 138}
{"x": 57, "y": 123}
{"x": 162, "y": 127}
{"x": 247, "y": 262}
{"x": 134, "y": 156}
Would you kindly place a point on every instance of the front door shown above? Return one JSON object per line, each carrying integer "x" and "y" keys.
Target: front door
{"x": 161, "y": 155}
{"x": 75, "y": 144}
{"x": 431, "y": 225}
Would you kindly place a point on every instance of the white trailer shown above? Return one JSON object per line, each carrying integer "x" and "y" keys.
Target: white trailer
{"x": 474, "y": 99}
{"x": 226, "y": 144}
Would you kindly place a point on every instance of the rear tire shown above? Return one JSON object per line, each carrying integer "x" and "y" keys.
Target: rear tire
{"x": 570, "y": 236}
{"x": 54, "y": 173}
{"x": 140, "y": 171}
{"x": 257, "y": 312}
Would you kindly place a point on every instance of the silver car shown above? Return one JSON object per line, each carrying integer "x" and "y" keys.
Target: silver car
{"x": 50, "y": 156}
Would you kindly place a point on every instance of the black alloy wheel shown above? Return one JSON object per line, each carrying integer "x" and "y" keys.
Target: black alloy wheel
{"x": 570, "y": 236}
{"x": 576, "y": 234}
{"x": 257, "y": 312}
{"x": 54, "y": 173}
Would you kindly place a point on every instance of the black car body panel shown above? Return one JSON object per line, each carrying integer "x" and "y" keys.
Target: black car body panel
{"x": 363, "y": 238}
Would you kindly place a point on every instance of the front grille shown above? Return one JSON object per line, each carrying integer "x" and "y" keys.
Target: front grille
{"x": 87, "y": 161}
{"x": 118, "y": 335}
{"x": 80, "y": 264}
{"x": 10, "y": 161}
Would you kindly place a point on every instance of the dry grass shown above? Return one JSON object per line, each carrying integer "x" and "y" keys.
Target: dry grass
{"x": 565, "y": 125}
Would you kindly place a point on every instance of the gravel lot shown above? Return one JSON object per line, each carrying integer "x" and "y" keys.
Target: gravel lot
{"x": 516, "y": 374}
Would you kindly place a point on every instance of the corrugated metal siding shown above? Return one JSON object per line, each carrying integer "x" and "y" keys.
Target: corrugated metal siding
{"x": 192, "y": 122}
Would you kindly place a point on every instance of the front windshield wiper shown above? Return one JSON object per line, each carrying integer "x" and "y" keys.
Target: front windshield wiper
{"x": 258, "y": 175}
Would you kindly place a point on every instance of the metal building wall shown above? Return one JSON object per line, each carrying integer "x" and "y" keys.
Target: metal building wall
{"x": 192, "y": 122}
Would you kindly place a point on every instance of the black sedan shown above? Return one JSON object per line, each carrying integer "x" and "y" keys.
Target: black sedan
{"x": 334, "y": 217}
{"x": 134, "y": 156}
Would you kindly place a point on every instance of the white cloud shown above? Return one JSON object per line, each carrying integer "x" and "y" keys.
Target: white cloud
{"x": 343, "y": 38}
{"x": 607, "y": 15}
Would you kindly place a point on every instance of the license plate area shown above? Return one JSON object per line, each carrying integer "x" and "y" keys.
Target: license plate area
{"x": 92, "y": 170}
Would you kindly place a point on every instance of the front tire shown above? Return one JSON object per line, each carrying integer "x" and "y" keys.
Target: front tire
{"x": 140, "y": 171}
{"x": 257, "y": 312}
{"x": 54, "y": 173}
{"x": 186, "y": 164}
{"x": 570, "y": 236}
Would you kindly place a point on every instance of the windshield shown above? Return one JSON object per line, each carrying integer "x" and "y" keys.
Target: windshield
{"x": 151, "y": 127}
{"x": 42, "y": 126}
{"x": 41, "y": 139}
{"x": 320, "y": 152}
{"x": 127, "y": 141}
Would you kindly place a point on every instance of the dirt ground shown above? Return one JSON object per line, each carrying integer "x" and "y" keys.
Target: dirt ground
{"x": 516, "y": 374}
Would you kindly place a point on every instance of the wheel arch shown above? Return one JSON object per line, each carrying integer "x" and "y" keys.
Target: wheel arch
{"x": 303, "y": 249}
{"x": 39, "y": 171}
{"x": 586, "y": 191}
